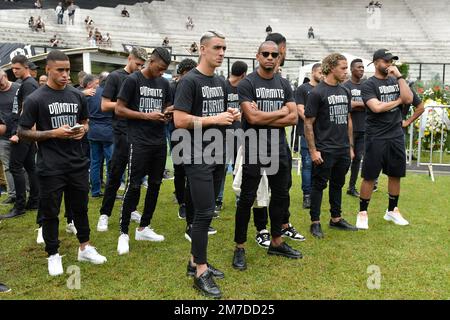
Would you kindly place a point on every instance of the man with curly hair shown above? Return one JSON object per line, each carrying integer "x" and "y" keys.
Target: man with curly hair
{"x": 329, "y": 132}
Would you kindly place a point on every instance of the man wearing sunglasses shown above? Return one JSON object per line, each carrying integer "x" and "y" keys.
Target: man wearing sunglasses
{"x": 384, "y": 94}
{"x": 119, "y": 159}
{"x": 200, "y": 107}
{"x": 268, "y": 106}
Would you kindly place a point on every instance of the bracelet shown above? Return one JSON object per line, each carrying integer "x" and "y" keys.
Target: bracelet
{"x": 401, "y": 77}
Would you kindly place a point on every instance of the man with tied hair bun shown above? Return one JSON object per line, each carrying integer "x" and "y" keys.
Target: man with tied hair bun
{"x": 329, "y": 132}
{"x": 144, "y": 100}
{"x": 62, "y": 166}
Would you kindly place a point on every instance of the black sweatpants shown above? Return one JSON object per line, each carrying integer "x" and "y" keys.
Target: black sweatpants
{"x": 143, "y": 160}
{"x": 119, "y": 163}
{"x": 204, "y": 184}
{"x": 333, "y": 169}
{"x": 75, "y": 186}
{"x": 23, "y": 156}
{"x": 279, "y": 201}
{"x": 358, "y": 142}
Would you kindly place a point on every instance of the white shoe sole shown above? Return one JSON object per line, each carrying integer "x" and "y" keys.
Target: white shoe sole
{"x": 139, "y": 238}
{"x": 56, "y": 274}
{"x": 187, "y": 237}
{"x": 388, "y": 218}
{"x": 284, "y": 236}
{"x": 91, "y": 261}
{"x": 121, "y": 253}
{"x": 102, "y": 229}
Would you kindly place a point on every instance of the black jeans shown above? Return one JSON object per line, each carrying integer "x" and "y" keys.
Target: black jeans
{"x": 333, "y": 169}
{"x": 23, "y": 156}
{"x": 358, "y": 142}
{"x": 279, "y": 200}
{"x": 119, "y": 163}
{"x": 144, "y": 160}
{"x": 75, "y": 186}
{"x": 179, "y": 182}
{"x": 204, "y": 184}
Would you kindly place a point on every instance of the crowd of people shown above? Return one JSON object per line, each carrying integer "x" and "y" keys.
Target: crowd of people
{"x": 129, "y": 117}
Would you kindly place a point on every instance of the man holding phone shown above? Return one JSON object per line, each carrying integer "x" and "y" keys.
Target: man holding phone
{"x": 384, "y": 94}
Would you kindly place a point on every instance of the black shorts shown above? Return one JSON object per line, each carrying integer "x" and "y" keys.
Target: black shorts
{"x": 388, "y": 155}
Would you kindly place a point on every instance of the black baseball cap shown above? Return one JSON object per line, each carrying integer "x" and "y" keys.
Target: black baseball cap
{"x": 32, "y": 66}
{"x": 384, "y": 54}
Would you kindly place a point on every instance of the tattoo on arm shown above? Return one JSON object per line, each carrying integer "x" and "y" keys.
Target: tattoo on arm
{"x": 34, "y": 135}
{"x": 309, "y": 134}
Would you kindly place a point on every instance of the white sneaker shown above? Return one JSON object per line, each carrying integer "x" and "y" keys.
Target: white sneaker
{"x": 90, "y": 254}
{"x": 55, "y": 267}
{"x": 102, "y": 224}
{"x": 123, "y": 246}
{"x": 396, "y": 217}
{"x": 40, "y": 238}
{"x": 136, "y": 216}
{"x": 362, "y": 220}
{"x": 122, "y": 187}
{"x": 70, "y": 228}
{"x": 148, "y": 234}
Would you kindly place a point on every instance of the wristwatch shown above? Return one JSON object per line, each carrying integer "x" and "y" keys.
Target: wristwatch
{"x": 401, "y": 77}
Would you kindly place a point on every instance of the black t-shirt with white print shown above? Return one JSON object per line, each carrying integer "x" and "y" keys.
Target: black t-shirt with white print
{"x": 111, "y": 90}
{"x": 269, "y": 95}
{"x": 358, "y": 116}
{"x": 202, "y": 96}
{"x": 301, "y": 97}
{"x": 233, "y": 102}
{"x": 330, "y": 105}
{"x": 383, "y": 125}
{"x": 27, "y": 87}
{"x": 50, "y": 109}
{"x": 146, "y": 96}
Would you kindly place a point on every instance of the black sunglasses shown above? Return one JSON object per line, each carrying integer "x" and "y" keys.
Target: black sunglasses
{"x": 266, "y": 54}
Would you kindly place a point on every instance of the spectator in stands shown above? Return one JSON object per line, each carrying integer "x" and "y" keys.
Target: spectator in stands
{"x": 89, "y": 23}
{"x": 39, "y": 24}
{"x": 378, "y": 4}
{"x": 268, "y": 29}
{"x": 59, "y": 11}
{"x": 38, "y": 4}
{"x": 91, "y": 39}
{"x": 194, "y": 48}
{"x": 43, "y": 80}
{"x": 71, "y": 9}
{"x": 310, "y": 33}
{"x": 106, "y": 40}
{"x": 54, "y": 41}
{"x": 189, "y": 23}
{"x": 31, "y": 23}
{"x": 98, "y": 36}
{"x": 165, "y": 42}
{"x": 125, "y": 13}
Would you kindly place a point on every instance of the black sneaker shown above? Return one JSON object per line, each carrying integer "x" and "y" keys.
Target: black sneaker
{"x": 239, "y": 259}
{"x": 13, "y": 213}
{"x": 182, "y": 211}
{"x": 263, "y": 238}
{"x": 316, "y": 230}
{"x": 206, "y": 285}
{"x": 284, "y": 250}
{"x": 306, "y": 201}
{"x": 211, "y": 230}
{"x": 291, "y": 233}
{"x": 217, "y": 209}
{"x": 353, "y": 192}
{"x": 375, "y": 187}
{"x": 342, "y": 225}
{"x": 187, "y": 233}
{"x": 215, "y": 272}
{"x": 9, "y": 200}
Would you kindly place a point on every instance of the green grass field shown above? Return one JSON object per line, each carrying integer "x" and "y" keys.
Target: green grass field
{"x": 413, "y": 260}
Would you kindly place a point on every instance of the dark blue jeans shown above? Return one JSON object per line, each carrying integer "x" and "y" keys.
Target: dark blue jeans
{"x": 99, "y": 150}
{"x": 306, "y": 166}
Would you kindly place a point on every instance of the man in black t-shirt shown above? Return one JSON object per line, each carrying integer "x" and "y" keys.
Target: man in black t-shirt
{"x": 144, "y": 99}
{"x": 301, "y": 98}
{"x": 384, "y": 94}
{"x": 238, "y": 72}
{"x": 268, "y": 107}
{"x": 358, "y": 120}
{"x": 23, "y": 153}
{"x": 119, "y": 159}
{"x": 328, "y": 129}
{"x": 59, "y": 113}
{"x": 8, "y": 91}
{"x": 200, "y": 107}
